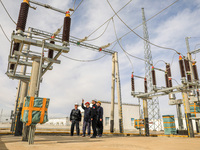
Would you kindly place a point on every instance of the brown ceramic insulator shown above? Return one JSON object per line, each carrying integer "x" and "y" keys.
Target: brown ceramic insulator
{"x": 15, "y": 48}
{"x": 145, "y": 86}
{"x": 66, "y": 29}
{"x": 153, "y": 77}
{"x": 23, "y": 14}
{"x": 170, "y": 83}
{"x": 168, "y": 69}
{"x": 189, "y": 79}
{"x": 182, "y": 70}
{"x": 12, "y": 66}
{"x": 194, "y": 68}
{"x": 187, "y": 65}
{"x": 166, "y": 80}
{"x": 50, "y": 52}
{"x": 133, "y": 84}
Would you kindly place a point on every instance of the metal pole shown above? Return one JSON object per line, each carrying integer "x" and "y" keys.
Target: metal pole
{"x": 32, "y": 93}
{"x": 119, "y": 94}
{"x": 179, "y": 114}
{"x": 112, "y": 95}
{"x": 40, "y": 70}
{"x": 47, "y": 6}
{"x": 187, "y": 114}
{"x": 139, "y": 116}
{"x": 191, "y": 70}
{"x": 16, "y": 105}
{"x": 23, "y": 91}
{"x": 146, "y": 119}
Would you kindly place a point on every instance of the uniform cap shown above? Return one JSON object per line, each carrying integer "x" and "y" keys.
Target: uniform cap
{"x": 87, "y": 103}
{"x": 99, "y": 102}
{"x": 76, "y": 104}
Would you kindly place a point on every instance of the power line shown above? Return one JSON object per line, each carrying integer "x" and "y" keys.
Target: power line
{"x": 4, "y": 33}
{"x": 138, "y": 34}
{"x": 121, "y": 45}
{"x": 77, "y": 7}
{"x": 83, "y": 60}
{"x": 147, "y": 20}
{"x": 101, "y": 33}
{"x": 108, "y": 20}
{"x": 7, "y": 12}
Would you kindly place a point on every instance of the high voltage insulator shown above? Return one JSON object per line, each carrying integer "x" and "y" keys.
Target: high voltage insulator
{"x": 50, "y": 52}
{"x": 194, "y": 68}
{"x": 187, "y": 65}
{"x": 23, "y": 14}
{"x": 181, "y": 65}
{"x": 145, "y": 85}
{"x": 132, "y": 83}
{"x": 153, "y": 76}
{"x": 15, "y": 48}
{"x": 166, "y": 79}
{"x": 168, "y": 70}
{"x": 66, "y": 27}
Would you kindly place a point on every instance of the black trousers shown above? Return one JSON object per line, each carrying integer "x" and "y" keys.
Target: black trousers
{"x": 94, "y": 126}
{"x": 74, "y": 122}
{"x": 100, "y": 127}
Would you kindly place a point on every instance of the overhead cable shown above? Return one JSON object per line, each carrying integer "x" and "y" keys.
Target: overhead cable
{"x": 7, "y": 12}
{"x": 139, "y": 35}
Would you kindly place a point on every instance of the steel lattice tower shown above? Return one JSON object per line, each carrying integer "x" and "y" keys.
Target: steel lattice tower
{"x": 153, "y": 105}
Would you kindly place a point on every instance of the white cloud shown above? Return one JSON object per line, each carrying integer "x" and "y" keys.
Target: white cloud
{"x": 71, "y": 81}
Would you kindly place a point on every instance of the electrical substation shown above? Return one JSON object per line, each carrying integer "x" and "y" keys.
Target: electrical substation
{"x": 28, "y": 67}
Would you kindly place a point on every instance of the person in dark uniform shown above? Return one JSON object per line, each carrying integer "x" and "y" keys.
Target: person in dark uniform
{"x": 75, "y": 118}
{"x": 94, "y": 118}
{"x": 87, "y": 119}
{"x": 99, "y": 119}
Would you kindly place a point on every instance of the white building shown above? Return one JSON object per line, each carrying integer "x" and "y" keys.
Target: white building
{"x": 130, "y": 113}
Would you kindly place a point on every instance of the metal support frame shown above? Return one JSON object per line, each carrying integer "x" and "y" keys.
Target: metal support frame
{"x": 153, "y": 105}
{"x": 112, "y": 95}
{"x": 116, "y": 77}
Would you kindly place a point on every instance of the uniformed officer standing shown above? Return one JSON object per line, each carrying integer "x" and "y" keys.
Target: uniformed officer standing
{"x": 75, "y": 118}
{"x": 99, "y": 119}
{"x": 87, "y": 119}
{"x": 94, "y": 118}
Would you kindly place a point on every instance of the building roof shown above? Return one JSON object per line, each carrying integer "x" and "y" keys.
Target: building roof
{"x": 122, "y": 103}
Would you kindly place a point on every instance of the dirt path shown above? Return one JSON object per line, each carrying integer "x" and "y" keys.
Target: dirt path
{"x": 106, "y": 143}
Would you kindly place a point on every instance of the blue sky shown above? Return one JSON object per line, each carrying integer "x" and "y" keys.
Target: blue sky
{"x": 71, "y": 81}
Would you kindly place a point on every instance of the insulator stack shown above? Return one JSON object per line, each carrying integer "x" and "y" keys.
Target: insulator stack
{"x": 181, "y": 65}
{"x": 23, "y": 14}
{"x": 145, "y": 85}
{"x": 66, "y": 28}
{"x": 166, "y": 80}
{"x": 50, "y": 52}
{"x": 132, "y": 83}
{"x": 187, "y": 68}
{"x": 153, "y": 76}
{"x": 15, "y": 48}
{"x": 194, "y": 68}
{"x": 168, "y": 70}
{"x": 187, "y": 65}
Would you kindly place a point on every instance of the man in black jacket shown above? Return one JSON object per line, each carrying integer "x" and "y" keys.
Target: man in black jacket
{"x": 87, "y": 119}
{"x": 75, "y": 118}
{"x": 94, "y": 118}
{"x": 99, "y": 119}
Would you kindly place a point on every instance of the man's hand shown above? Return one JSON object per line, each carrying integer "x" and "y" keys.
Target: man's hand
{"x": 82, "y": 100}
{"x": 100, "y": 119}
{"x": 91, "y": 118}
